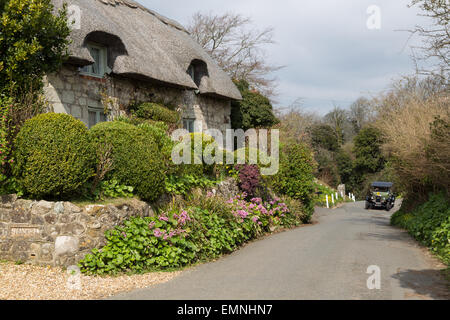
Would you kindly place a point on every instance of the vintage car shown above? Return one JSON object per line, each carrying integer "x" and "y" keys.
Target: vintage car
{"x": 380, "y": 196}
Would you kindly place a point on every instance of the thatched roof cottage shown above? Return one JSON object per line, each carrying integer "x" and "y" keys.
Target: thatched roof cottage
{"x": 122, "y": 52}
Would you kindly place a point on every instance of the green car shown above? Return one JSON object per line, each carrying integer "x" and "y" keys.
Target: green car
{"x": 380, "y": 196}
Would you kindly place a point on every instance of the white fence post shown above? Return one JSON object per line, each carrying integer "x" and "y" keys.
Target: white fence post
{"x": 332, "y": 198}
{"x": 328, "y": 205}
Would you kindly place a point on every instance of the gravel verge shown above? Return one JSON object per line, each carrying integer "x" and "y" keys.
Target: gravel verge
{"x": 28, "y": 282}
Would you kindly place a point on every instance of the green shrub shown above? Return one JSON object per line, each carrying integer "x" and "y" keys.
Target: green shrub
{"x": 253, "y": 111}
{"x": 182, "y": 185}
{"x": 295, "y": 177}
{"x": 53, "y": 156}
{"x": 429, "y": 224}
{"x": 156, "y": 112}
{"x": 142, "y": 244}
{"x": 197, "y": 144}
{"x": 112, "y": 189}
{"x": 136, "y": 158}
{"x": 205, "y": 230}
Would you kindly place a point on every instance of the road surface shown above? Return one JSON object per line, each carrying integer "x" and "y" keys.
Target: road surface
{"x": 328, "y": 260}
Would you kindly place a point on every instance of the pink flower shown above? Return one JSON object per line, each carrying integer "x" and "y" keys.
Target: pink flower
{"x": 164, "y": 218}
{"x": 157, "y": 233}
{"x": 255, "y": 219}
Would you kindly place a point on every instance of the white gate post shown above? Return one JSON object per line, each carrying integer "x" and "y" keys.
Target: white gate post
{"x": 328, "y": 205}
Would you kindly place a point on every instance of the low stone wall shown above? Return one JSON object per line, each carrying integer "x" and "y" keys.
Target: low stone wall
{"x": 61, "y": 233}
{"x": 58, "y": 233}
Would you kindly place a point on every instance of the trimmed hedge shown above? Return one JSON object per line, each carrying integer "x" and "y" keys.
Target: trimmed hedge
{"x": 53, "y": 156}
{"x": 156, "y": 112}
{"x": 136, "y": 158}
{"x": 295, "y": 177}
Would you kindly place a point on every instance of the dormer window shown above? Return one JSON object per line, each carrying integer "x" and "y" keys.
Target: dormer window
{"x": 99, "y": 67}
{"x": 197, "y": 70}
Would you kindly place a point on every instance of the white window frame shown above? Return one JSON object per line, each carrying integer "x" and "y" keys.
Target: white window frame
{"x": 187, "y": 124}
{"x": 102, "y": 63}
{"x": 98, "y": 112}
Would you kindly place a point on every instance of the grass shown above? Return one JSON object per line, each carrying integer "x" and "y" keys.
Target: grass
{"x": 115, "y": 201}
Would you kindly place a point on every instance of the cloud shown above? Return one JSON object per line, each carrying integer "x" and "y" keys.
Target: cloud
{"x": 329, "y": 53}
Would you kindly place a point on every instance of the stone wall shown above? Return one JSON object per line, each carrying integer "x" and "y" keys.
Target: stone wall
{"x": 58, "y": 233}
{"x": 62, "y": 233}
{"x": 69, "y": 92}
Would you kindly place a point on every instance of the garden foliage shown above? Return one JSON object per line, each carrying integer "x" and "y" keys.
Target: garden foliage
{"x": 295, "y": 178}
{"x": 206, "y": 229}
{"x": 430, "y": 224}
{"x": 135, "y": 156}
{"x": 53, "y": 156}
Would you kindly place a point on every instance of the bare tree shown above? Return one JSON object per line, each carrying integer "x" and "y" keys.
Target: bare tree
{"x": 436, "y": 45}
{"x": 360, "y": 113}
{"x": 338, "y": 120}
{"x": 237, "y": 47}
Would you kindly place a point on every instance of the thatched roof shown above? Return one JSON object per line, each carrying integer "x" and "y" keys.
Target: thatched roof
{"x": 144, "y": 45}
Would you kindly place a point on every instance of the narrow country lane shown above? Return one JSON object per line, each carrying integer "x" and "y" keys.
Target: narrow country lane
{"x": 328, "y": 260}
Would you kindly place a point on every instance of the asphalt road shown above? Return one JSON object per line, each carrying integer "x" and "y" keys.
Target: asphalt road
{"x": 328, "y": 260}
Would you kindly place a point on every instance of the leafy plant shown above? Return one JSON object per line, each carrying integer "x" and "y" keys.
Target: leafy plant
{"x": 295, "y": 177}
{"x": 53, "y": 157}
{"x": 430, "y": 224}
{"x": 143, "y": 244}
{"x": 156, "y": 112}
{"x": 182, "y": 185}
{"x": 253, "y": 111}
{"x": 135, "y": 156}
{"x": 205, "y": 230}
{"x": 34, "y": 42}
{"x": 112, "y": 189}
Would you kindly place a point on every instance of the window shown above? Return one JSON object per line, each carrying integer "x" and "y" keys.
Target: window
{"x": 197, "y": 70}
{"x": 189, "y": 125}
{"x": 96, "y": 116}
{"x": 191, "y": 72}
{"x": 98, "y": 68}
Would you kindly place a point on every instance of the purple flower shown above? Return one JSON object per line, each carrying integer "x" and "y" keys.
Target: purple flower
{"x": 164, "y": 218}
{"x": 157, "y": 233}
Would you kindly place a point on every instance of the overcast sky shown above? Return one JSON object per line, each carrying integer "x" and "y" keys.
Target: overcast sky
{"x": 329, "y": 54}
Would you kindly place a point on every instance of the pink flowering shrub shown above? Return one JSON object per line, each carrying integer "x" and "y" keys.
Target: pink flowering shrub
{"x": 264, "y": 214}
{"x": 144, "y": 244}
{"x": 205, "y": 230}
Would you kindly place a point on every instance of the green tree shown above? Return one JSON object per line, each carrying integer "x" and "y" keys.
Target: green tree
{"x": 345, "y": 166}
{"x": 33, "y": 42}
{"x": 253, "y": 111}
{"x": 367, "y": 150}
{"x": 323, "y": 136}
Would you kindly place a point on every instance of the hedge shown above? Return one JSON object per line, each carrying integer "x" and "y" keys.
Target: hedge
{"x": 136, "y": 157}
{"x": 53, "y": 156}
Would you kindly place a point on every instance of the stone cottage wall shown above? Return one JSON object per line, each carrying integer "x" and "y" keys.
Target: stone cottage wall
{"x": 58, "y": 233}
{"x": 69, "y": 92}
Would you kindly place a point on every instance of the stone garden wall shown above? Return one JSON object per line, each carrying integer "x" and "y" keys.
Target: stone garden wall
{"x": 62, "y": 233}
{"x": 58, "y": 233}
